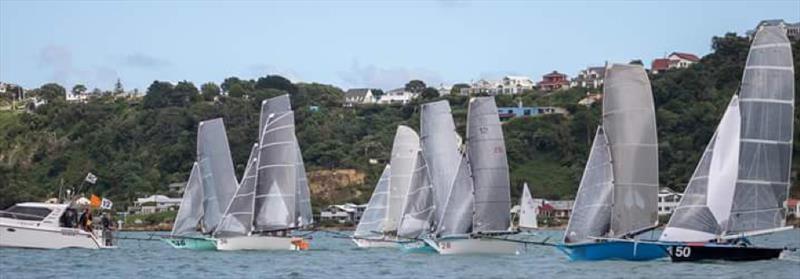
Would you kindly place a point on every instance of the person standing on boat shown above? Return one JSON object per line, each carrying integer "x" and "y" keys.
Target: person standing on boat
{"x": 85, "y": 220}
{"x": 108, "y": 226}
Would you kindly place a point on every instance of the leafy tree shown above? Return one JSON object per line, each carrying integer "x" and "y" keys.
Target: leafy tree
{"x": 210, "y": 90}
{"x": 118, "y": 88}
{"x": 429, "y": 93}
{"x": 275, "y": 82}
{"x": 51, "y": 92}
{"x": 636, "y": 62}
{"x": 415, "y": 86}
{"x": 79, "y": 89}
{"x": 377, "y": 92}
{"x": 457, "y": 88}
{"x": 157, "y": 94}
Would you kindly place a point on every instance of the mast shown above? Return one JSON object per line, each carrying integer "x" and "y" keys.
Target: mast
{"x": 630, "y": 126}
{"x": 489, "y": 165}
{"x": 767, "y": 107}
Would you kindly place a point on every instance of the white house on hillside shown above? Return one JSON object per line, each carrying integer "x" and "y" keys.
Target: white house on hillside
{"x": 397, "y": 96}
{"x": 591, "y": 77}
{"x": 506, "y": 85}
{"x": 668, "y": 200}
{"x": 358, "y": 96}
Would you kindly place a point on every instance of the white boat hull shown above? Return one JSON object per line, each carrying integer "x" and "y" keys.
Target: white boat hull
{"x": 258, "y": 242}
{"x": 376, "y": 243}
{"x": 462, "y": 246}
{"x": 46, "y": 238}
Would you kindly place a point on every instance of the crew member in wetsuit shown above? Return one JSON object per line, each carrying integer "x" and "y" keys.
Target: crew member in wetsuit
{"x": 86, "y": 220}
{"x": 108, "y": 226}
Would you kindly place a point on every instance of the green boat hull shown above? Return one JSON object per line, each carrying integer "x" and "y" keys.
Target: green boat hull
{"x": 191, "y": 243}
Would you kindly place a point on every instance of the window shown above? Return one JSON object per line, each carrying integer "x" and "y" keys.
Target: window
{"x": 26, "y": 213}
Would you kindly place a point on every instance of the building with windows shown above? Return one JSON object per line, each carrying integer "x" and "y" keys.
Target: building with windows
{"x": 675, "y": 60}
{"x": 668, "y": 200}
{"x": 553, "y": 81}
{"x": 506, "y": 85}
{"x": 343, "y": 213}
{"x": 154, "y": 204}
{"x": 397, "y": 96}
{"x": 507, "y": 113}
{"x": 591, "y": 77}
{"x": 359, "y": 96}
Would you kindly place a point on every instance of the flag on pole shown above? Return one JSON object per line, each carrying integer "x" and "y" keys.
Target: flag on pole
{"x": 91, "y": 178}
{"x": 106, "y": 204}
{"x": 94, "y": 201}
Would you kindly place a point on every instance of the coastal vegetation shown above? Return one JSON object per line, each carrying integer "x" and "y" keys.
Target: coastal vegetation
{"x": 137, "y": 146}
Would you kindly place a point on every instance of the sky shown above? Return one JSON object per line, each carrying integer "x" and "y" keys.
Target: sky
{"x": 376, "y": 44}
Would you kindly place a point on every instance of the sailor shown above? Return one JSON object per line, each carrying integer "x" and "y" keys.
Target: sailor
{"x": 108, "y": 226}
{"x": 85, "y": 220}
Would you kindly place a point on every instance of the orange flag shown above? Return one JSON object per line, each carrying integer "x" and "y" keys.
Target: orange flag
{"x": 95, "y": 201}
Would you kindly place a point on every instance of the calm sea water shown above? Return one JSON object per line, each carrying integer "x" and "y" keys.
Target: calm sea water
{"x": 333, "y": 257}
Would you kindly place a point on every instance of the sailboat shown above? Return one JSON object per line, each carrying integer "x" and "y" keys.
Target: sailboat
{"x": 273, "y": 199}
{"x": 400, "y": 208}
{"x": 472, "y": 193}
{"x": 739, "y": 186}
{"x": 617, "y": 196}
{"x": 528, "y": 210}
{"x": 211, "y": 185}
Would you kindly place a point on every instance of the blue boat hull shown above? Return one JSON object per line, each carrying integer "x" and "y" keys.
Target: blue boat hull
{"x": 417, "y": 247}
{"x": 614, "y": 250}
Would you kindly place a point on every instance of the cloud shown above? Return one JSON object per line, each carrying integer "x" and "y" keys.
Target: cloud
{"x": 140, "y": 60}
{"x": 260, "y": 70}
{"x": 58, "y": 59}
{"x": 386, "y": 78}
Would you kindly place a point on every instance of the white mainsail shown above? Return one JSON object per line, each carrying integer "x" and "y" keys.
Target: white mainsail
{"x": 705, "y": 207}
{"x": 403, "y": 162}
{"x": 440, "y": 150}
{"x": 191, "y": 210}
{"x": 216, "y": 169}
{"x": 591, "y": 213}
{"x": 766, "y": 98}
{"x": 277, "y": 179}
{"x": 418, "y": 210}
{"x": 238, "y": 218}
{"x": 630, "y": 126}
{"x": 489, "y": 167}
{"x": 528, "y": 210}
{"x": 375, "y": 215}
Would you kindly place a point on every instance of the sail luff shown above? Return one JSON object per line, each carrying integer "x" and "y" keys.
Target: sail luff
{"x": 592, "y": 211}
{"x": 216, "y": 169}
{"x": 489, "y": 166}
{"x": 766, "y": 99}
{"x": 630, "y": 126}
{"x": 190, "y": 211}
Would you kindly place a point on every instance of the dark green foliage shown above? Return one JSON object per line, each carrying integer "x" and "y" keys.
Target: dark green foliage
{"x": 415, "y": 86}
{"x": 137, "y": 148}
{"x": 429, "y": 93}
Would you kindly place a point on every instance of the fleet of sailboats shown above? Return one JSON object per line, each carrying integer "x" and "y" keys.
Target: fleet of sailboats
{"x": 743, "y": 177}
{"x": 444, "y": 193}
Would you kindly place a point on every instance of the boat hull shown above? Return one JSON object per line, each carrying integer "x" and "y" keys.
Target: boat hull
{"x": 464, "y": 246}
{"x": 419, "y": 246}
{"x": 259, "y": 242}
{"x": 627, "y": 250}
{"x": 191, "y": 243}
{"x": 46, "y": 238}
{"x": 708, "y": 252}
{"x": 376, "y": 243}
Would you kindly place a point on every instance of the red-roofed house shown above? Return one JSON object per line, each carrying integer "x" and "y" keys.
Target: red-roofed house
{"x": 553, "y": 81}
{"x": 675, "y": 60}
